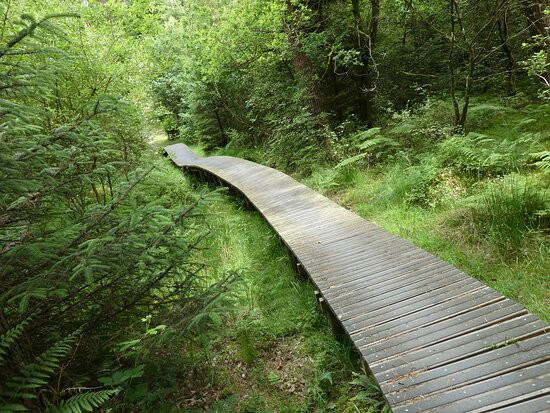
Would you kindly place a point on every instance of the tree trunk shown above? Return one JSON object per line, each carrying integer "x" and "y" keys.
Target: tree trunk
{"x": 456, "y": 109}
{"x": 366, "y": 38}
{"x": 510, "y": 61}
{"x": 302, "y": 65}
{"x": 223, "y": 135}
{"x": 467, "y": 90}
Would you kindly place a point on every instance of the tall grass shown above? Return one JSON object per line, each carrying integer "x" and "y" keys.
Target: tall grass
{"x": 509, "y": 209}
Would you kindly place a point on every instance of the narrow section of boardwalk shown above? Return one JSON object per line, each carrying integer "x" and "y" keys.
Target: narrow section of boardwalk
{"x": 434, "y": 338}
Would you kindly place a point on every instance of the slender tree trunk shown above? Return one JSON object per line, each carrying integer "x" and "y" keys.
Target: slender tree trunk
{"x": 510, "y": 61}
{"x": 456, "y": 109}
{"x": 408, "y": 5}
{"x": 335, "y": 92}
{"x": 366, "y": 38}
{"x": 467, "y": 90}
{"x": 225, "y": 141}
{"x": 371, "y": 86}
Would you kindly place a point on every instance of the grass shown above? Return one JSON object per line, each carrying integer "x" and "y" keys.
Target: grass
{"x": 491, "y": 232}
{"x": 269, "y": 347}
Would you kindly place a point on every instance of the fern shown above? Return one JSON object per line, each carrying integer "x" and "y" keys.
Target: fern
{"x": 542, "y": 160}
{"x": 484, "y": 155}
{"x": 350, "y": 160}
{"x": 86, "y": 401}
{"x": 9, "y": 337}
{"x": 380, "y": 145}
{"x": 34, "y": 375}
{"x": 378, "y": 142}
{"x": 369, "y": 133}
{"x": 370, "y": 391}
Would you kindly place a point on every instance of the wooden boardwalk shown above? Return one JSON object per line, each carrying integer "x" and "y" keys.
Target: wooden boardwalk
{"x": 434, "y": 338}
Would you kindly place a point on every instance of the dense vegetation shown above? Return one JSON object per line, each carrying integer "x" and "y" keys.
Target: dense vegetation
{"x": 121, "y": 283}
{"x": 97, "y": 241}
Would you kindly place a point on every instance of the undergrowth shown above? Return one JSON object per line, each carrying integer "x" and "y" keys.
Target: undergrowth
{"x": 269, "y": 348}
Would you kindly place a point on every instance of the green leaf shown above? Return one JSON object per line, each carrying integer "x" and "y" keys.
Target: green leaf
{"x": 351, "y": 160}
{"x": 24, "y": 303}
{"x": 12, "y": 407}
{"x": 369, "y": 133}
{"x": 216, "y": 319}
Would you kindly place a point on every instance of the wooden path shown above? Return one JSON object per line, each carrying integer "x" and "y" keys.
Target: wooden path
{"x": 434, "y": 338}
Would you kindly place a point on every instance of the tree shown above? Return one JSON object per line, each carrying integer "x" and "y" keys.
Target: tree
{"x": 299, "y": 19}
{"x": 366, "y": 35}
{"x": 90, "y": 241}
{"x": 472, "y": 36}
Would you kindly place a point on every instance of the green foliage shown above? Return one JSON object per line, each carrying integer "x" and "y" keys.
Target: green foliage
{"x": 318, "y": 388}
{"x": 32, "y": 378}
{"x": 369, "y": 392}
{"x": 409, "y": 184}
{"x": 94, "y": 231}
{"x": 541, "y": 160}
{"x": 247, "y": 351}
{"x": 378, "y": 147}
{"x": 508, "y": 209}
{"x": 11, "y": 336}
{"x": 85, "y": 402}
{"x": 484, "y": 156}
{"x": 32, "y": 375}
{"x": 323, "y": 179}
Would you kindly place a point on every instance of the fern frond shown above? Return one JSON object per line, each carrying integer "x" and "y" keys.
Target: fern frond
{"x": 10, "y": 336}
{"x": 86, "y": 401}
{"x": 369, "y": 133}
{"x": 377, "y": 142}
{"x": 12, "y": 407}
{"x": 351, "y": 160}
{"x": 542, "y": 160}
{"x": 35, "y": 374}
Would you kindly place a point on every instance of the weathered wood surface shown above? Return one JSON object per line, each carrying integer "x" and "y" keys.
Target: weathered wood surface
{"x": 434, "y": 338}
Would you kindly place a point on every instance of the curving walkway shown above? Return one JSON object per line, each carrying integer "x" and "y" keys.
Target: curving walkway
{"x": 434, "y": 338}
